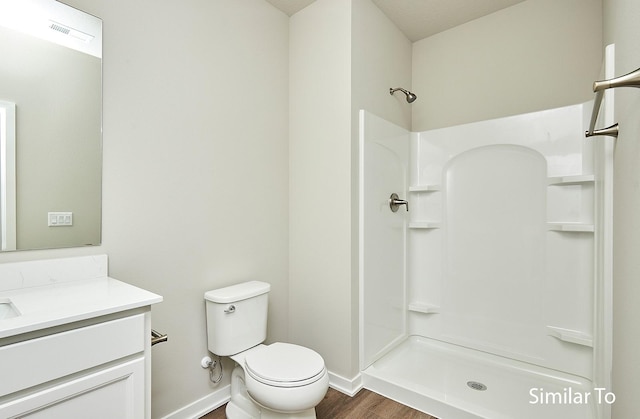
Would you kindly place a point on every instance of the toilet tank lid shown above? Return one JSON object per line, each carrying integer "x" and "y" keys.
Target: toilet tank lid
{"x": 237, "y": 292}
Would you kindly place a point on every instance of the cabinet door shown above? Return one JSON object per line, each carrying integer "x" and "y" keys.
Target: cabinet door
{"x": 114, "y": 392}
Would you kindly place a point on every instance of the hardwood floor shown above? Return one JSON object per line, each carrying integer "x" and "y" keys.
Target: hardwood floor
{"x": 364, "y": 405}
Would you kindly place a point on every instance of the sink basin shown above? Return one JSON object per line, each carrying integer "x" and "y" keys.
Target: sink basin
{"x": 7, "y": 309}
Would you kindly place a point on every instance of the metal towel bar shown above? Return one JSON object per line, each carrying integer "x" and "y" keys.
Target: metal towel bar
{"x": 157, "y": 337}
{"x": 628, "y": 80}
{"x": 611, "y": 131}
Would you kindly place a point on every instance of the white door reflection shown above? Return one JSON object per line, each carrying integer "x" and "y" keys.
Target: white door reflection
{"x": 7, "y": 175}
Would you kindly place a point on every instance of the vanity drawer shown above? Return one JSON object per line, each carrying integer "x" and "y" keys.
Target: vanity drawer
{"x": 47, "y": 358}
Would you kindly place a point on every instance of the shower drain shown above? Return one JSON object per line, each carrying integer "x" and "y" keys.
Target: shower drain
{"x": 476, "y": 385}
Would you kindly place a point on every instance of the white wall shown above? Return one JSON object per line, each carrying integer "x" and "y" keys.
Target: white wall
{"x": 621, "y": 27}
{"x": 344, "y": 56}
{"x": 538, "y": 54}
{"x": 195, "y": 166}
{"x": 381, "y": 59}
{"x": 320, "y": 171}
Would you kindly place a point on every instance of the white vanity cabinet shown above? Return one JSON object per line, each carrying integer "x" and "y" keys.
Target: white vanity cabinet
{"x": 81, "y": 349}
{"x": 93, "y": 370}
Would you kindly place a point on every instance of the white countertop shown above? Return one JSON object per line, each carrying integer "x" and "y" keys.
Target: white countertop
{"x": 53, "y": 305}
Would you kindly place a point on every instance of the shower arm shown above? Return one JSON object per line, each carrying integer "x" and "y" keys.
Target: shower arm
{"x": 628, "y": 80}
{"x": 392, "y": 90}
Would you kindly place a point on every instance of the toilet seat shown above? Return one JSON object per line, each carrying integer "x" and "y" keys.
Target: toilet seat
{"x": 285, "y": 365}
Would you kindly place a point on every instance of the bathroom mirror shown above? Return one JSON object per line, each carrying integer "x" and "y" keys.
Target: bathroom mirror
{"x": 50, "y": 126}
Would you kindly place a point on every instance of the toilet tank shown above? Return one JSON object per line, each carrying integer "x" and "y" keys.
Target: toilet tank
{"x": 237, "y": 317}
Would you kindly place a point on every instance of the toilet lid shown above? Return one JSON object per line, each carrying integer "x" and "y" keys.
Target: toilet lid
{"x": 285, "y": 365}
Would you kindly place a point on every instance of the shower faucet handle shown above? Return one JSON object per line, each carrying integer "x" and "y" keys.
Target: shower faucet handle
{"x": 395, "y": 202}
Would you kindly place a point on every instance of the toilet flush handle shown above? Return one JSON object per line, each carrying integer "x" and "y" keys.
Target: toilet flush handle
{"x": 230, "y": 309}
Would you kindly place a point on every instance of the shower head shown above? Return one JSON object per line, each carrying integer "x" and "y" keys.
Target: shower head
{"x": 410, "y": 96}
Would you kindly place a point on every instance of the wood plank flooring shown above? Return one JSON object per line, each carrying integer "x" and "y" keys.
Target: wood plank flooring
{"x": 364, "y": 405}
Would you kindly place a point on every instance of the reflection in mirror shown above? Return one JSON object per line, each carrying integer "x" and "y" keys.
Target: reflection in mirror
{"x": 50, "y": 125}
{"x": 7, "y": 175}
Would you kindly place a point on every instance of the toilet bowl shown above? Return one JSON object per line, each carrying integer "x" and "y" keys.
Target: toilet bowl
{"x": 275, "y": 381}
{"x": 282, "y": 379}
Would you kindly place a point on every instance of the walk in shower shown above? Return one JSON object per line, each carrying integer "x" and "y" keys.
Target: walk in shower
{"x": 489, "y": 295}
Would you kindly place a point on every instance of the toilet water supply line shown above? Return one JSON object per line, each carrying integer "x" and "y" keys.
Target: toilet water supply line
{"x": 207, "y": 362}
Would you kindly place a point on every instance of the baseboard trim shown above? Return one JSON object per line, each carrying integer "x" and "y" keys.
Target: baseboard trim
{"x": 344, "y": 385}
{"x": 222, "y": 395}
{"x": 202, "y": 406}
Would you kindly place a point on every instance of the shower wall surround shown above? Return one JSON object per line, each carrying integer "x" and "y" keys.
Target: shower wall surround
{"x": 503, "y": 262}
{"x": 509, "y": 205}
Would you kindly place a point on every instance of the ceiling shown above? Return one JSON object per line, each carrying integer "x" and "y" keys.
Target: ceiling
{"x": 418, "y": 19}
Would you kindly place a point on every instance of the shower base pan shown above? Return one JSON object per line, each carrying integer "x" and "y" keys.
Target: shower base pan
{"x": 453, "y": 382}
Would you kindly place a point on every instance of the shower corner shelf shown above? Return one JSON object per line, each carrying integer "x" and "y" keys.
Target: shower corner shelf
{"x": 424, "y": 308}
{"x": 425, "y": 225}
{"x": 571, "y": 180}
{"x": 424, "y": 188}
{"x": 571, "y": 336}
{"x": 571, "y": 227}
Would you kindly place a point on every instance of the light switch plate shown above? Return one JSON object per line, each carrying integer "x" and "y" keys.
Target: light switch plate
{"x": 60, "y": 219}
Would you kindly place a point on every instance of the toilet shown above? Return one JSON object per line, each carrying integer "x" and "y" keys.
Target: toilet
{"x": 275, "y": 381}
